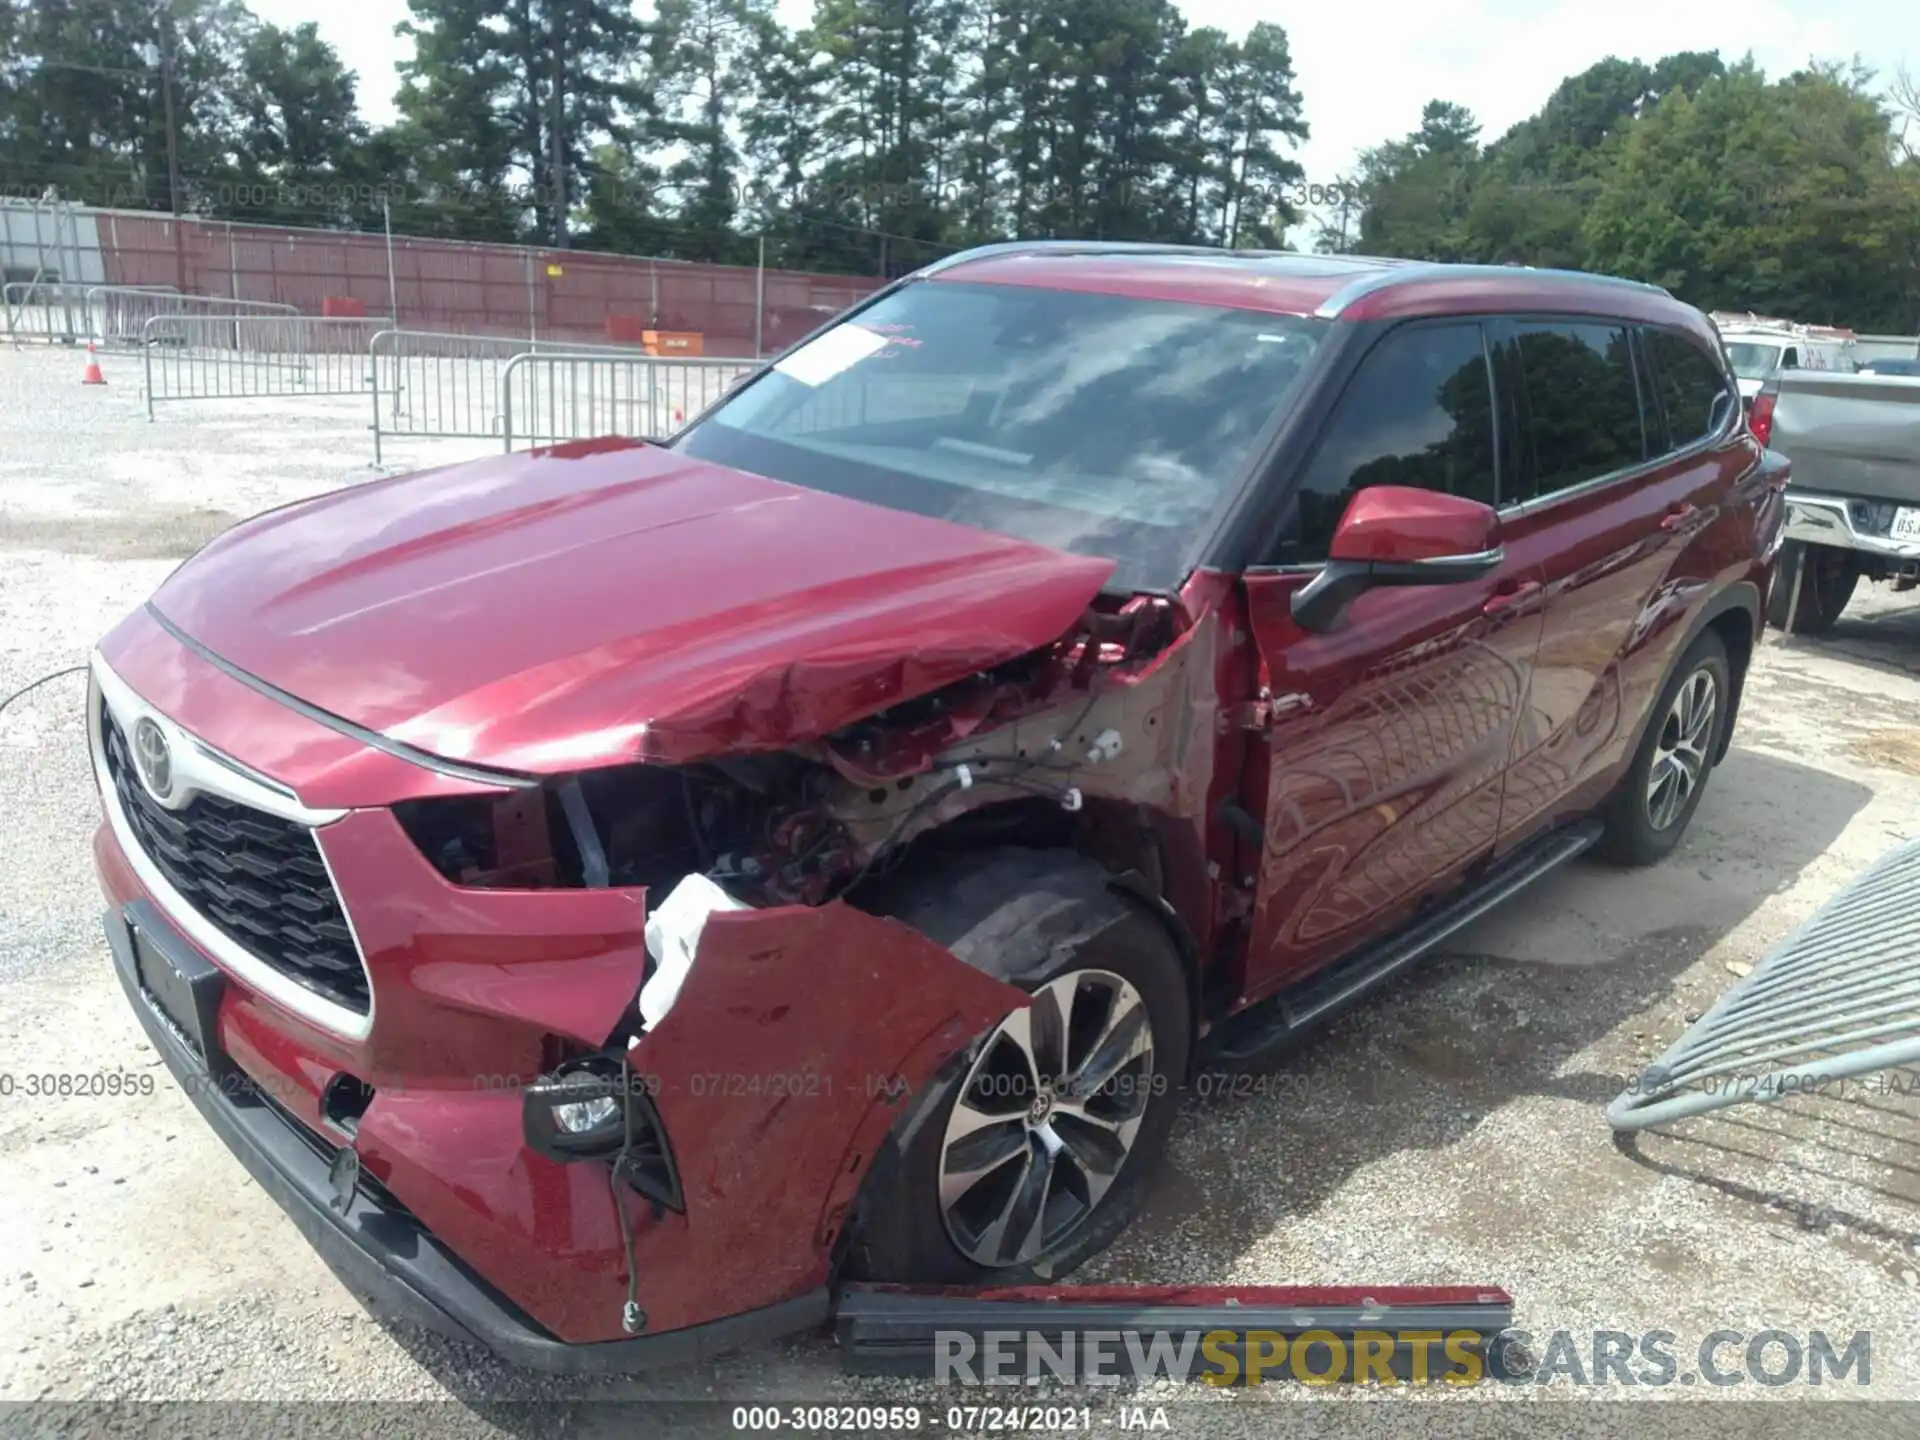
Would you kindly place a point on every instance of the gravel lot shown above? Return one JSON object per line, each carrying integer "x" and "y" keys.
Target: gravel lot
{"x": 1447, "y": 1132}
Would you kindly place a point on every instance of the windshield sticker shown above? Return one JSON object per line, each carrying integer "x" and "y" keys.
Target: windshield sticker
{"x": 839, "y": 349}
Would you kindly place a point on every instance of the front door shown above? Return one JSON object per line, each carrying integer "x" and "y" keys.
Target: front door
{"x": 1379, "y": 780}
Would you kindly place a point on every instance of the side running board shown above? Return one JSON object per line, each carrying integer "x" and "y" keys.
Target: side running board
{"x": 1256, "y": 1032}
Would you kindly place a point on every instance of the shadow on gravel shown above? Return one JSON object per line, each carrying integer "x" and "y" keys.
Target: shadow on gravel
{"x": 1885, "y": 637}
{"x": 1789, "y": 1162}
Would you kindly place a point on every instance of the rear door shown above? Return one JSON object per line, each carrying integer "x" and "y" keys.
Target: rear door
{"x": 1378, "y": 779}
{"x": 1609, "y": 501}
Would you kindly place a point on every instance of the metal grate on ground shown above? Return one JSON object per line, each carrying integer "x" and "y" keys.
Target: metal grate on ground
{"x": 1837, "y": 1000}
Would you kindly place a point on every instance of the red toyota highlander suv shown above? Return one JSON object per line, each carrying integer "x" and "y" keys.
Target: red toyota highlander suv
{"x": 610, "y": 893}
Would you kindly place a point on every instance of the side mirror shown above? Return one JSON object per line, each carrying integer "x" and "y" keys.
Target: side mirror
{"x": 1397, "y": 535}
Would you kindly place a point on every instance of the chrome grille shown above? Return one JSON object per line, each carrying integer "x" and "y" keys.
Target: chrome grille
{"x": 256, "y": 877}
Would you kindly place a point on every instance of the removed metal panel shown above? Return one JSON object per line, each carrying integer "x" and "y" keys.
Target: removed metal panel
{"x": 1837, "y": 999}
{"x": 1219, "y": 1334}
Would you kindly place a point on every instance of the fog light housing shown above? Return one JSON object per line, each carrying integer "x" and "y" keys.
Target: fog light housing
{"x": 574, "y": 1113}
{"x": 595, "y": 1108}
{"x": 584, "y": 1117}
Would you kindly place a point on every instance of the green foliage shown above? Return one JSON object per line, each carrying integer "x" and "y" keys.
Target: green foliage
{"x": 888, "y": 132}
{"x": 1789, "y": 197}
{"x": 259, "y": 110}
{"x": 1782, "y": 197}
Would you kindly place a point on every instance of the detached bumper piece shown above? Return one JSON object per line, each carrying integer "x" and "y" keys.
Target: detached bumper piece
{"x": 1834, "y": 1002}
{"x": 1220, "y": 1335}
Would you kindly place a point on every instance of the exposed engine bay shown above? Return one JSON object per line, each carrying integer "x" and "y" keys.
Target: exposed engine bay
{"x": 1027, "y": 746}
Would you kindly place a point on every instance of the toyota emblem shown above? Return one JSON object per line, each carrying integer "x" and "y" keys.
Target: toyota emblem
{"x": 152, "y": 758}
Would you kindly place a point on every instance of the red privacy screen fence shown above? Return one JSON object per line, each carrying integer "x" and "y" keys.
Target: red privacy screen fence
{"x": 471, "y": 287}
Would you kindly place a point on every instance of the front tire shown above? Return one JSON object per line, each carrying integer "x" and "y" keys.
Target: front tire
{"x": 1650, "y": 810}
{"x": 1033, "y": 1149}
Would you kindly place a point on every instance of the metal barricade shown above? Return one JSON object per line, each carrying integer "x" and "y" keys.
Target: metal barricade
{"x": 56, "y": 311}
{"x": 1836, "y": 1001}
{"x": 548, "y": 397}
{"x": 442, "y": 385}
{"x": 119, "y": 313}
{"x": 238, "y": 357}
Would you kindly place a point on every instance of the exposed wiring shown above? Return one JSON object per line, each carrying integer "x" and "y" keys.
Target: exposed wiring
{"x": 971, "y": 773}
{"x": 632, "y": 1318}
{"x": 886, "y": 847}
{"x": 24, "y": 689}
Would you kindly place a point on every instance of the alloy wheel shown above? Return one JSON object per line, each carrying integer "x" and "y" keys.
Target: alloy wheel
{"x": 1046, "y": 1118}
{"x": 1680, "y": 754}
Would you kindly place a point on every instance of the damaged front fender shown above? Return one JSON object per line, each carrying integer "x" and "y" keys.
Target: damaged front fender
{"x": 796, "y": 1039}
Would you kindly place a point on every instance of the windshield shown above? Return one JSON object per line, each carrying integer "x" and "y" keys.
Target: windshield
{"x": 1099, "y": 424}
{"x": 1751, "y": 361}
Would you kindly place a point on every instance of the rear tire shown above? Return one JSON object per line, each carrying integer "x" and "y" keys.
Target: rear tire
{"x": 1827, "y": 580}
{"x": 1649, "y": 811}
{"x": 1051, "y": 923}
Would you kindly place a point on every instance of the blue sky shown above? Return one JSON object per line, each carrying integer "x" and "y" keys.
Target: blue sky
{"x": 1365, "y": 73}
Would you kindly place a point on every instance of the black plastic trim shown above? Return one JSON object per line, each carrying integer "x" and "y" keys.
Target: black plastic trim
{"x": 388, "y": 1258}
{"x": 1320, "y": 604}
{"x": 1264, "y": 1028}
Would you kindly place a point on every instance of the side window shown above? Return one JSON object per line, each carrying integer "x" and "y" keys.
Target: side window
{"x": 1583, "y": 406}
{"x": 1418, "y": 412}
{"x": 1790, "y": 360}
{"x": 1692, "y": 386}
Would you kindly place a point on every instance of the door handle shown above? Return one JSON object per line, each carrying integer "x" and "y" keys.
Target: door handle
{"x": 1678, "y": 517}
{"x": 1506, "y": 600}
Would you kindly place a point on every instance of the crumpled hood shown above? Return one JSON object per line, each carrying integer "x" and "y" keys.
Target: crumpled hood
{"x": 608, "y": 600}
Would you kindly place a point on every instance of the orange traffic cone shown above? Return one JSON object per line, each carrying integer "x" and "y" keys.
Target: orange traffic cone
{"x": 93, "y": 375}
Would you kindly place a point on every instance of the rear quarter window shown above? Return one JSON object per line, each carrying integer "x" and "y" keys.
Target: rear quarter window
{"x": 1692, "y": 387}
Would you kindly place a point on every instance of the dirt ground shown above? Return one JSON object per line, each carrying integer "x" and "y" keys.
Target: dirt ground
{"x": 1447, "y": 1131}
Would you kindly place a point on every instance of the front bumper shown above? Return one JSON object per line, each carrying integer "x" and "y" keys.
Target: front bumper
{"x": 776, "y": 1076}
{"x": 1828, "y": 520}
{"x": 381, "y": 1252}
{"x": 763, "y": 1075}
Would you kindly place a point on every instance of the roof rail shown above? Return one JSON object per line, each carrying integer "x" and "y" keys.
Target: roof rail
{"x": 1405, "y": 272}
{"x": 1084, "y": 247}
{"x": 1376, "y": 272}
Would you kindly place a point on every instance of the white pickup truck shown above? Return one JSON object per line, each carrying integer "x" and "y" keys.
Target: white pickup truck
{"x": 1760, "y": 349}
{"x": 1853, "y": 506}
